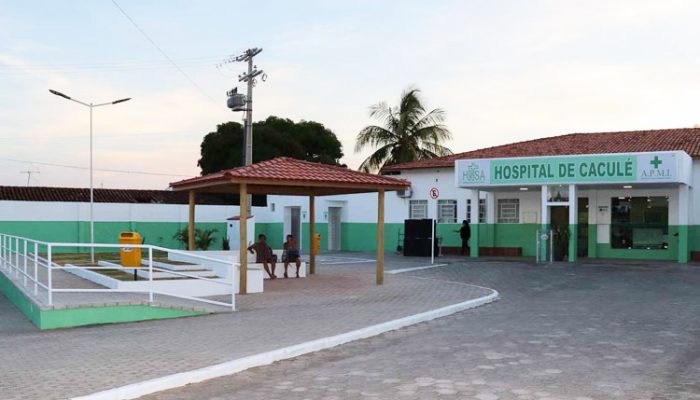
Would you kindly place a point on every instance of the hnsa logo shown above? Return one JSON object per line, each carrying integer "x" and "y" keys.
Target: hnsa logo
{"x": 656, "y": 170}
{"x": 473, "y": 174}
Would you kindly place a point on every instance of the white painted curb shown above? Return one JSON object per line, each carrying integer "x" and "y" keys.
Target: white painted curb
{"x": 402, "y": 270}
{"x": 136, "y": 390}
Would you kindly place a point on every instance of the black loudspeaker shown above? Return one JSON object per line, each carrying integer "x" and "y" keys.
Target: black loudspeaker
{"x": 417, "y": 239}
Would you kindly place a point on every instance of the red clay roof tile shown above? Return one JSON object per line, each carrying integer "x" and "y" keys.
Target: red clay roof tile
{"x": 62, "y": 194}
{"x": 685, "y": 139}
{"x": 286, "y": 169}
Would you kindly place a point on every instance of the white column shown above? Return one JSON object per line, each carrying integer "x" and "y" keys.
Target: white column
{"x": 490, "y": 208}
{"x": 474, "y": 222}
{"x": 683, "y": 222}
{"x": 573, "y": 223}
{"x": 544, "y": 209}
{"x": 544, "y": 222}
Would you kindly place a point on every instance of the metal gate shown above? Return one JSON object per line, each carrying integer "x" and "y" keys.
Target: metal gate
{"x": 334, "y": 231}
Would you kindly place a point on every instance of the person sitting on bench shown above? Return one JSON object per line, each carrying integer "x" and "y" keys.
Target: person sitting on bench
{"x": 291, "y": 254}
{"x": 263, "y": 255}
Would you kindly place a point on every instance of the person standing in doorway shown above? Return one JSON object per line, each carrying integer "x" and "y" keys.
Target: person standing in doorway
{"x": 465, "y": 233}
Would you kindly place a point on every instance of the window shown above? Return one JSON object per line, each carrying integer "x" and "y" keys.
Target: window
{"x": 639, "y": 223}
{"x": 417, "y": 209}
{"x": 508, "y": 211}
{"x": 447, "y": 212}
{"x": 482, "y": 211}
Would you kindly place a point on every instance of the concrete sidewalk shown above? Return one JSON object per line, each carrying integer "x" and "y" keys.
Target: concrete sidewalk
{"x": 73, "y": 362}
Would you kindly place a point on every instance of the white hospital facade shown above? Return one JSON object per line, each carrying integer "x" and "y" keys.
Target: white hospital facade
{"x": 622, "y": 195}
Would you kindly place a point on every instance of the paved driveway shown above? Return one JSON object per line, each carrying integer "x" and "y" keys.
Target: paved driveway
{"x": 561, "y": 332}
{"x": 343, "y": 297}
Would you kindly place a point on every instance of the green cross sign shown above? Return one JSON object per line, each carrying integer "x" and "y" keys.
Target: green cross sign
{"x": 656, "y": 162}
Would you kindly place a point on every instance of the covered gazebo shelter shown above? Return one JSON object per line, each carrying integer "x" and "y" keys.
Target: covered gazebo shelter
{"x": 289, "y": 176}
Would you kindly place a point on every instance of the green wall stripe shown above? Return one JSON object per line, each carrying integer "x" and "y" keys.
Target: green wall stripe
{"x": 16, "y": 297}
{"x": 359, "y": 237}
{"x": 155, "y": 233}
{"x": 573, "y": 242}
{"x": 73, "y": 317}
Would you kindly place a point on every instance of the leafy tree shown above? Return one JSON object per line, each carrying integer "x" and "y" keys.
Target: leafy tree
{"x": 405, "y": 133}
{"x": 273, "y": 137}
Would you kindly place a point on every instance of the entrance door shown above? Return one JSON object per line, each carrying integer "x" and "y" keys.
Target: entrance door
{"x": 559, "y": 224}
{"x": 334, "y": 228}
{"x": 292, "y": 223}
{"x": 582, "y": 234}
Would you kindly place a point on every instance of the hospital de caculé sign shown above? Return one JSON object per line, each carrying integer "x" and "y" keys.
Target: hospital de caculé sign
{"x": 582, "y": 169}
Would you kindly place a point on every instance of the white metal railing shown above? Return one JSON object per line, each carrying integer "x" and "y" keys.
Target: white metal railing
{"x": 18, "y": 253}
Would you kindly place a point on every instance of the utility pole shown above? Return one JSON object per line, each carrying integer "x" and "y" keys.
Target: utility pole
{"x": 238, "y": 102}
{"x": 249, "y": 78}
{"x": 29, "y": 173}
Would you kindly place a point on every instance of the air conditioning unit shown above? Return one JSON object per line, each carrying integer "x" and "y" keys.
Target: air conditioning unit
{"x": 405, "y": 194}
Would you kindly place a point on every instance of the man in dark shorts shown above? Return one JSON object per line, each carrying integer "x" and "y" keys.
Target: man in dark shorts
{"x": 263, "y": 255}
{"x": 291, "y": 254}
{"x": 465, "y": 233}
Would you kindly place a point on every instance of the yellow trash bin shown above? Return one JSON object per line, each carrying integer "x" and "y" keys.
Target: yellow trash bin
{"x": 129, "y": 256}
{"x": 317, "y": 243}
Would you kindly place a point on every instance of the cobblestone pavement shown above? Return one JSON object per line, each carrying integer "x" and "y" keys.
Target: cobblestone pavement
{"x": 64, "y": 363}
{"x": 558, "y": 332}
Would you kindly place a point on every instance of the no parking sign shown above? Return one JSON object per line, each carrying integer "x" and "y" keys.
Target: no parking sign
{"x": 434, "y": 193}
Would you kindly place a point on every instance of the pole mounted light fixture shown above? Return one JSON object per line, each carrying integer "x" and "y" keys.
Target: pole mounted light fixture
{"x": 92, "y": 194}
{"x": 57, "y": 93}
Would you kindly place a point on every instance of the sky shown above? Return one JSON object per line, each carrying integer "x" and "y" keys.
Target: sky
{"x": 504, "y": 71}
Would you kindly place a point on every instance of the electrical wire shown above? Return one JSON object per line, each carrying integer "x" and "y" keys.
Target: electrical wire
{"x": 119, "y": 171}
{"x": 141, "y": 135}
{"x": 163, "y": 52}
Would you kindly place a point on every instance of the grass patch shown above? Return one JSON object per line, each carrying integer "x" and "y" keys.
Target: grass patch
{"x": 84, "y": 258}
{"x": 119, "y": 274}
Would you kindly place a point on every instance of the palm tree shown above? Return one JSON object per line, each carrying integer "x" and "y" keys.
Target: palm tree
{"x": 407, "y": 133}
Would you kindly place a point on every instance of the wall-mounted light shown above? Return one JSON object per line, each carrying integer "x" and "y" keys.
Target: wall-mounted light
{"x": 523, "y": 189}
{"x": 627, "y": 187}
{"x": 272, "y": 207}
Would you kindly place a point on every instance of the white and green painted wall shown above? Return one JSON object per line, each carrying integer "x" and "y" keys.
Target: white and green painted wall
{"x": 356, "y": 231}
{"x": 68, "y": 222}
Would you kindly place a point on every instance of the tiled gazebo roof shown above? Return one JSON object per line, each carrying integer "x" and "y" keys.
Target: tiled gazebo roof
{"x": 299, "y": 177}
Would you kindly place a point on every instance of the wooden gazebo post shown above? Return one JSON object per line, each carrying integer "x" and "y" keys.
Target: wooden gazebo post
{"x": 190, "y": 225}
{"x": 380, "y": 237}
{"x": 243, "y": 252}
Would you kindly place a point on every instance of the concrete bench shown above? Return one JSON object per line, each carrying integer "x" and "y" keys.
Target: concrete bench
{"x": 279, "y": 269}
{"x": 225, "y": 268}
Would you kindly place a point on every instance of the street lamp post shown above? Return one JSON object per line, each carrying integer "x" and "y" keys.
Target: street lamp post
{"x": 92, "y": 197}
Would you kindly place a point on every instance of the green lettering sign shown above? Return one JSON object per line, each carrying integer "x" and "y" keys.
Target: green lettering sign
{"x": 607, "y": 168}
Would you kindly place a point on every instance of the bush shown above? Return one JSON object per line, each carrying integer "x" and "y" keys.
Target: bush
{"x": 203, "y": 238}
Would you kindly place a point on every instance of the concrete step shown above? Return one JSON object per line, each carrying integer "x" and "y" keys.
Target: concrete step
{"x": 144, "y": 273}
{"x": 189, "y": 269}
{"x": 178, "y": 266}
